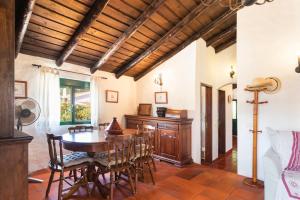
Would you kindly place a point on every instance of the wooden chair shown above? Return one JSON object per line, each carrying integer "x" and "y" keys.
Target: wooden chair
{"x": 103, "y": 126}
{"x": 78, "y": 129}
{"x": 143, "y": 149}
{"x": 117, "y": 161}
{"x": 148, "y": 128}
{"x": 61, "y": 163}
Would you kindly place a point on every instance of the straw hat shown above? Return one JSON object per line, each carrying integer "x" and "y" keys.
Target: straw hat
{"x": 269, "y": 85}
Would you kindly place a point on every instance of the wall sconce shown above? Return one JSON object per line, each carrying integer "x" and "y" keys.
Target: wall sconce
{"x": 158, "y": 81}
{"x": 297, "y": 70}
{"x": 232, "y": 72}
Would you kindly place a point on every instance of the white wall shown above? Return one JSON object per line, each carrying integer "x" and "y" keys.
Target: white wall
{"x": 178, "y": 74}
{"x": 125, "y": 85}
{"x": 213, "y": 69}
{"x": 182, "y": 75}
{"x": 267, "y": 43}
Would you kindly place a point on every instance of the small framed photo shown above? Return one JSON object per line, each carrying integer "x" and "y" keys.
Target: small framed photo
{"x": 20, "y": 89}
{"x": 161, "y": 97}
{"x": 112, "y": 96}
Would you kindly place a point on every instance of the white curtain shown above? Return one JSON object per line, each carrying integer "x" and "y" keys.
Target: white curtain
{"x": 49, "y": 99}
{"x": 95, "y": 96}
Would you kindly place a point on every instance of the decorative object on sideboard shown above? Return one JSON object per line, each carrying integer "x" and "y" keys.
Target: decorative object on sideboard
{"x": 161, "y": 97}
{"x": 145, "y": 109}
{"x": 177, "y": 114}
{"x": 159, "y": 81}
{"x": 20, "y": 89}
{"x": 234, "y": 4}
{"x": 114, "y": 128}
{"x": 112, "y": 96}
{"x": 27, "y": 111}
{"x": 161, "y": 111}
{"x": 268, "y": 85}
{"x": 297, "y": 70}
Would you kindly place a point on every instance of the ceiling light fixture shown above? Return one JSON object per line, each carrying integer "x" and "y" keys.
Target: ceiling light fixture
{"x": 235, "y": 4}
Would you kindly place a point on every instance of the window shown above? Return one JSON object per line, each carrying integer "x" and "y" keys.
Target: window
{"x": 75, "y": 98}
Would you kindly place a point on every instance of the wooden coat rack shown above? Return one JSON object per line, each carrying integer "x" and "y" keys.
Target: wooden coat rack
{"x": 254, "y": 182}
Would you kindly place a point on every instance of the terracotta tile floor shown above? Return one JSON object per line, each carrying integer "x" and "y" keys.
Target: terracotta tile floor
{"x": 228, "y": 162}
{"x": 193, "y": 182}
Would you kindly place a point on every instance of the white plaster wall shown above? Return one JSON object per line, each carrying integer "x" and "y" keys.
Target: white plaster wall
{"x": 182, "y": 76}
{"x": 267, "y": 43}
{"x": 228, "y": 114}
{"x": 127, "y": 100}
{"x": 178, "y": 75}
{"x": 213, "y": 69}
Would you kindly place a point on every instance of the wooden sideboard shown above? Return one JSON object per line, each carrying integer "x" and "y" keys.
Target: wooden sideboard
{"x": 172, "y": 137}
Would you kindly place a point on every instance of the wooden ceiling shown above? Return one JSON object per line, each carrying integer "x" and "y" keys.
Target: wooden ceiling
{"x": 125, "y": 37}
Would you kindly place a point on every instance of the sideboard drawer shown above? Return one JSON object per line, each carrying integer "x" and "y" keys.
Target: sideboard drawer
{"x": 168, "y": 126}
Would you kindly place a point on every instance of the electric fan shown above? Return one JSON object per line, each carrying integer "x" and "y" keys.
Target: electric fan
{"x": 27, "y": 111}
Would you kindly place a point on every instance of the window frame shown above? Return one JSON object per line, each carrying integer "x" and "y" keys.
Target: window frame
{"x": 73, "y": 85}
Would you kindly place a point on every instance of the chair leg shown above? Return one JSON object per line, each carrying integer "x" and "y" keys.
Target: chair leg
{"x": 112, "y": 182}
{"x": 151, "y": 173}
{"x": 60, "y": 186}
{"x": 136, "y": 172}
{"x": 104, "y": 179}
{"x": 50, "y": 182}
{"x": 130, "y": 181}
{"x": 75, "y": 175}
{"x": 154, "y": 165}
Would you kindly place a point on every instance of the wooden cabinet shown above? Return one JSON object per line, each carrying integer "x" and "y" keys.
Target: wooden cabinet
{"x": 172, "y": 141}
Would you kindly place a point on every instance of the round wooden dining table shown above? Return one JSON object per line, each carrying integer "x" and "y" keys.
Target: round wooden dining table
{"x": 90, "y": 142}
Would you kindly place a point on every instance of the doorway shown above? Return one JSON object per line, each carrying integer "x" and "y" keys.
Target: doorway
{"x": 227, "y": 146}
{"x": 206, "y": 122}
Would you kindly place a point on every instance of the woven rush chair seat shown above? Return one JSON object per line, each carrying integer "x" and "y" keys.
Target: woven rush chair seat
{"x": 75, "y": 158}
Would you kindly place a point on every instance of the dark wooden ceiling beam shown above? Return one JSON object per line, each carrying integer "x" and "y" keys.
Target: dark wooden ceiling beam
{"x": 152, "y": 8}
{"x": 198, "y": 10}
{"x": 83, "y": 27}
{"x": 23, "y": 24}
{"x": 202, "y": 32}
{"x": 220, "y": 36}
{"x": 225, "y": 45}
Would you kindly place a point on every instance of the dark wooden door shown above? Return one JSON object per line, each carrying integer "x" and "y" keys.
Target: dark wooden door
{"x": 168, "y": 143}
{"x": 222, "y": 122}
{"x": 208, "y": 124}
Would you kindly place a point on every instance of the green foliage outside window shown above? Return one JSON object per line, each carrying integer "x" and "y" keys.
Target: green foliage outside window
{"x": 75, "y": 102}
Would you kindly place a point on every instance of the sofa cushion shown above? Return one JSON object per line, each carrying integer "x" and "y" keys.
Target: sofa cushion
{"x": 281, "y": 143}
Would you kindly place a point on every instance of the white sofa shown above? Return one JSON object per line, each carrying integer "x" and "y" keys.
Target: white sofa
{"x": 272, "y": 171}
{"x": 276, "y": 159}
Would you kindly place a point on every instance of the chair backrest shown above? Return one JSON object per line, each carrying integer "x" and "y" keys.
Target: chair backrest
{"x": 119, "y": 150}
{"x": 143, "y": 144}
{"x": 56, "y": 155}
{"x": 145, "y": 128}
{"x": 80, "y": 129}
{"x": 103, "y": 126}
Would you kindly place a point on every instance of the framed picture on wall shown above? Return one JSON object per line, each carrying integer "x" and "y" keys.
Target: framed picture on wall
{"x": 20, "y": 89}
{"x": 161, "y": 97}
{"x": 112, "y": 96}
